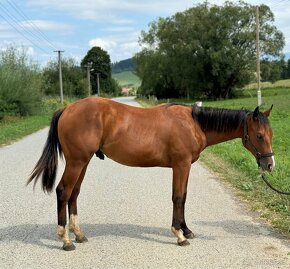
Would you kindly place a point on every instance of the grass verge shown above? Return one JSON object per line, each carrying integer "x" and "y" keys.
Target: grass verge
{"x": 16, "y": 128}
{"x": 13, "y": 128}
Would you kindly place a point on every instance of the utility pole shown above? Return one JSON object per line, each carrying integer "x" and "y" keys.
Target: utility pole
{"x": 60, "y": 74}
{"x": 259, "y": 94}
{"x": 98, "y": 83}
{"x": 89, "y": 66}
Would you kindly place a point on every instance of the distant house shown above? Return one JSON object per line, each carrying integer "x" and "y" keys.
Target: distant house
{"x": 125, "y": 91}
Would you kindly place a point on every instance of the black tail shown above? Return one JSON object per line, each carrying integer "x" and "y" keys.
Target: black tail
{"x": 47, "y": 164}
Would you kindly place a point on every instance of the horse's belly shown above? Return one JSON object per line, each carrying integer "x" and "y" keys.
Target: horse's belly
{"x": 136, "y": 156}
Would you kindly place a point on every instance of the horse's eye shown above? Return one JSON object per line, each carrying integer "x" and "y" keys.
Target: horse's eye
{"x": 259, "y": 137}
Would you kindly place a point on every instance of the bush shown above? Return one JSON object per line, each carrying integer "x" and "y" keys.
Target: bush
{"x": 20, "y": 82}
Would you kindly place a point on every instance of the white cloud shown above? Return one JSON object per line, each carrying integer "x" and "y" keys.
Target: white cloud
{"x": 105, "y": 44}
{"x": 118, "y": 47}
{"x": 30, "y": 51}
{"x": 27, "y": 50}
{"x": 130, "y": 46}
{"x": 7, "y": 32}
{"x": 46, "y": 25}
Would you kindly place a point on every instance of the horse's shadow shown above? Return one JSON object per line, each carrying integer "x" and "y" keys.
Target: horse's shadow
{"x": 44, "y": 235}
{"x": 41, "y": 234}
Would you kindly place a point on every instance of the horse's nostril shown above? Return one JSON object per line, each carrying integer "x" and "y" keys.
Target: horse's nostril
{"x": 270, "y": 167}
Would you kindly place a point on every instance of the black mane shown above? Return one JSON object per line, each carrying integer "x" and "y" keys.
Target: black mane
{"x": 222, "y": 119}
{"x": 219, "y": 119}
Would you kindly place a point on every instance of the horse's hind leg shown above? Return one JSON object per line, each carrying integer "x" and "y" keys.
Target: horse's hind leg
{"x": 72, "y": 209}
{"x": 64, "y": 190}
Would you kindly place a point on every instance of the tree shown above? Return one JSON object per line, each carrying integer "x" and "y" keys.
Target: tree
{"x": 275, "y": 73}
{"x": 74, "y": 83}
{"x": 101, "y": 64}
{"x": 288, "y": 68}
{"x": 273, "y": 70}
{"x": 205, "y": 50}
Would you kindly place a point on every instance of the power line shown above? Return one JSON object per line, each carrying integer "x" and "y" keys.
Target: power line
{"x": 15, "y": 20}
{"x": 25, "y": 37}
{"x": 29, "y": 21}
{"x": 18, "y": 27}
{"x": 278, "y": 3}
{"x": 28, "y": 34}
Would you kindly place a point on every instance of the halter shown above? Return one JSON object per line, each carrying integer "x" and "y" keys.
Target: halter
{"x": 259, "y": 156}
{"x": 246, "y": 139}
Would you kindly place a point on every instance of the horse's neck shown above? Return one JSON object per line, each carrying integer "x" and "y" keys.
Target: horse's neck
{"x": 214, "y": 137}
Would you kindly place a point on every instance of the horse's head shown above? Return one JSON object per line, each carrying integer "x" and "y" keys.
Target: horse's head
{"x": 258, "y": 138}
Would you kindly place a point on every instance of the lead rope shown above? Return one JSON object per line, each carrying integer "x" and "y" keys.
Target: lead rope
{"x": 272, "y": 187}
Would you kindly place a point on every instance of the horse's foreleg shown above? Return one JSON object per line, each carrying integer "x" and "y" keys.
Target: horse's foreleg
{"x": 72, "y": 209}
{"x": 64, "y": 190}
{"x": 179, "y": 190}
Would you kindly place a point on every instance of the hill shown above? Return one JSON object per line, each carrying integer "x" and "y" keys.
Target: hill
{"x": 127, "y": 79}
{"x": 124, "y": 65}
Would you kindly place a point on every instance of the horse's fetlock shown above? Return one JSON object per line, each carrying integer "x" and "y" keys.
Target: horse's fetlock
{"x": 60, "y": 231}
{"x": 179, "y": 234}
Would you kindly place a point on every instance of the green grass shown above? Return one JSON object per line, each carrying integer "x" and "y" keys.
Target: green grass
{"x": 127, "y": 79}
{"x": 17, "y": 128}
{"x": 13, "y": 128}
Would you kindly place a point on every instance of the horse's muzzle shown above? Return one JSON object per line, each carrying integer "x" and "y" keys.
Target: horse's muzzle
{"x": 266, "y": 164}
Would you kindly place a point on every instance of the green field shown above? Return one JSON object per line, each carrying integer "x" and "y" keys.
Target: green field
{"x": 268, "y": 85}
{"x": 127, "y": 79}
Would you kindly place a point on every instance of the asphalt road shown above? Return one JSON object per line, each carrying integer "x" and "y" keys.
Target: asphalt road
{"x": 126, "y": 214}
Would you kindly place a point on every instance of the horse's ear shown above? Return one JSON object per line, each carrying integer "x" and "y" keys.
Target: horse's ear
{"x": 256, "y": 113}
{"x": 267, "y": 112}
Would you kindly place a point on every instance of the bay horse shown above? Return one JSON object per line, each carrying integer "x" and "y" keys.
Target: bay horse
{"x": 168, "y": 135}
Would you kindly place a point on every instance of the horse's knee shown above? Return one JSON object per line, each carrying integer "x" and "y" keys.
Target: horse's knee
{"x": 60, "y": 191}
{"x": 179, "y": 199}
{"x": 62, "y": 194}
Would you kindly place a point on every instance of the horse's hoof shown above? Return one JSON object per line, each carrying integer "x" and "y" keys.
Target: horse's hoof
{"x": 189, "y": 236}
{"x": 183, "y": 243}
{"x": 69, "y": 247}
{"x": 82, "y": 240}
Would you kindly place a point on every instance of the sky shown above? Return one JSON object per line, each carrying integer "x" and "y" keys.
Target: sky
{"x": 41, "y": 27}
